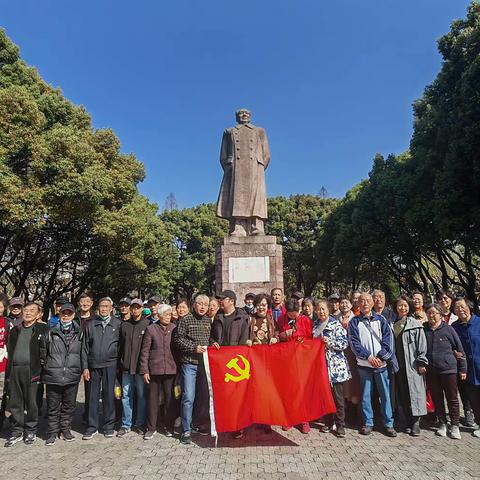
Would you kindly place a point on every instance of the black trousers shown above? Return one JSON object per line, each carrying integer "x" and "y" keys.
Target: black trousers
{"x": 165, "y": 384}
{"x": 441, "y": 385}
{"x": 201, "y": 406}
{"x": 339, "y": 416}
{"x": 463, "y": 389}
{"x": 61, "y": 403}
{"x": 473, "y": 392}
{"x": 23, "y": 401}
{"x": 87, "y": 401}
{"x": 102, "y": 380}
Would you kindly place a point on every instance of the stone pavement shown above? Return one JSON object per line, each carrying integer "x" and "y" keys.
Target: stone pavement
{"x": 258, "y": 456}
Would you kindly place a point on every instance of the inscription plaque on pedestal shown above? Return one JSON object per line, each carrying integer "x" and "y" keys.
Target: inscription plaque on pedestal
{"x": 249, "y": 269}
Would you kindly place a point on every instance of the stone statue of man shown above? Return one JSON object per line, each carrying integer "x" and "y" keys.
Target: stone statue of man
{"x": 244, "y": 156}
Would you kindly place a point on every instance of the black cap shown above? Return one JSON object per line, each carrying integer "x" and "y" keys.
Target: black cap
{"x": 228, "y": 294}
{"x": 250, "y": 295}
{"x": 298, "y": 295}
{"x": 16, "y": 301}
{"x": 61, "y": 301}
{"x": 67, "y": 306}
{"x": 125, "y": 300}
{"x": 155, "y": 300}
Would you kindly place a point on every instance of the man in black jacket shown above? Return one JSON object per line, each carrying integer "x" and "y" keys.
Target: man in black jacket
{"x": 23, "y": 374}
{"x": 230, "y": 327}
{"x": 99, "y": 364}
{"x": 131, "y": 336}
{"x": 60, "y": 354}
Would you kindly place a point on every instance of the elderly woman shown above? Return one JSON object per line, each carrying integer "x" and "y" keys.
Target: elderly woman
{"x": 158, "y": 367}
{"x": 334, "y": 336}
{"x": 307, "y": 308}
{"x": 411, "y": 350}
{"x": 213, "y": 308}
{"x": 263, "y": 328}
{"x": 468, "y": 329}
{"x": 446, "y": 361}
{"x": 418, "y": 300}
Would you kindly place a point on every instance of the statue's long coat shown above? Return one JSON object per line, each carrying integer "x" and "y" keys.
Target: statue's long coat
{"x": 244, "y": 156}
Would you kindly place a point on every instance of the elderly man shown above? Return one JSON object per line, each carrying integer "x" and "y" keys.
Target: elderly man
{"x": 244, "y": 156}
{"x": 23, "y": 374}
{"x": 372, "y": 342}
{"x": 379, "y": 305}
{"x": 99, "y": 364}
{"x": 191, "y": 339}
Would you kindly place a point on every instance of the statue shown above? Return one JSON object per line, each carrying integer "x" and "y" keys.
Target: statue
{"x": 244, "y": 156}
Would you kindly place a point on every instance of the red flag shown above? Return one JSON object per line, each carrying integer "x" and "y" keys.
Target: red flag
{"x": 283, "y": 384}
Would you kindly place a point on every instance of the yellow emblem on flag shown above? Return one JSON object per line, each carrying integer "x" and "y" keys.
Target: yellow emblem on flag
{"x": 243, "y": 373}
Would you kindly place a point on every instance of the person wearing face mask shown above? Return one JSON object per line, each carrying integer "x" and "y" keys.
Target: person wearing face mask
{"x": 60, "y": 356}
{"x": 334, "y": 336}
{"x": 249, "y": 307}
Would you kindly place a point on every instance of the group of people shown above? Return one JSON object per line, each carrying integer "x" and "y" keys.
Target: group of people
{"x": 143, "y": 360}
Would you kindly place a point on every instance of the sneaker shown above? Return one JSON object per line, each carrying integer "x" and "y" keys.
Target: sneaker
{"x": 442, "y": 430}
{"x": 13, "y": 440}
{"x": 476, "y": 433}
{"x": 238, "y": 435}
{"x": 390, "y": 432}
{"x": 149, "y": 434}
{"x": 122, "y": 432}
{"x": 340, "y": 432}
{"x": 186, "y": 438}
{"x": 366, "y": 430}
{"x": 169, "y": 432}
{"x": 109, "y": 433}
{"x": 201, "y": 430}
{"x": 50, "y": 441}
{"x": 29, "y": 438}
{"x": 89, "y": 434}
{"x": 470, "y": 420}
{"x": 325, "y": 429}
{"x": 455, "y": 433}
{"x": 67, "y": 436}
{"x": 138, "y": 430}
{"x": 305, "y": 428}
{"x": 286, "y": 429}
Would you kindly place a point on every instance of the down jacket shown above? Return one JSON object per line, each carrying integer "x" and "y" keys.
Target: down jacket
{"x": 61, "y": 360}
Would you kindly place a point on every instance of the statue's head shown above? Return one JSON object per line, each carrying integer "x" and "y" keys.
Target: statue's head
{"x": 243, "y": 115}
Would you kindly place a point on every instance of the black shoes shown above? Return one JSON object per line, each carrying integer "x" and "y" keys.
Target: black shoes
{"x": 51, "y": 441}
{"x": 122, "y": 432}
{"x": 13, "y": 440}
{"x": 366, "y": 430}
{"x": 67, "y": 436}
{"x": 390, "y": 432}
{"x": 340, "y": 432}
{"x": 29, "y": 438}
{"x": 186, "y": 438}
{"x": 89, "y": 434}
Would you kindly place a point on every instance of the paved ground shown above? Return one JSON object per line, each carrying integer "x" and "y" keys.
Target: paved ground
{"x": 280, "y": 455}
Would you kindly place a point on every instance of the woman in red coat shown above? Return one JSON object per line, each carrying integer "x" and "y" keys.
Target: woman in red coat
{"x": 295, "y": 326}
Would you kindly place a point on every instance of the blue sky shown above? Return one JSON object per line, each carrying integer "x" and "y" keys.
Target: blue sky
{"x": 332, "y": 82}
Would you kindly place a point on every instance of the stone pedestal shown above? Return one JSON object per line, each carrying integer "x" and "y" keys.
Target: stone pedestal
{"x": 249, "y": 264}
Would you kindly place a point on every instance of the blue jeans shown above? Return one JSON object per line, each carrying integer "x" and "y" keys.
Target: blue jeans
{"x": 189, "y": 380}
{"x": 367, "y": 376}
{"x": 132, "y": 384}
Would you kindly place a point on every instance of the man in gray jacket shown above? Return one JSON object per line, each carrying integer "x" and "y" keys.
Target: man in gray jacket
{"x": 99, "y": 363}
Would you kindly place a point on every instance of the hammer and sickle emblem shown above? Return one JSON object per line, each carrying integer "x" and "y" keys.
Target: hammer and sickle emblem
{"x": 243, "y": 373}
